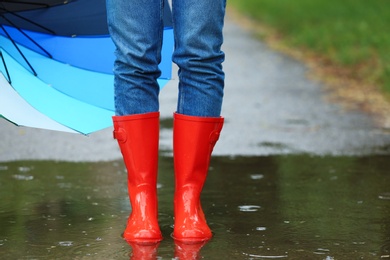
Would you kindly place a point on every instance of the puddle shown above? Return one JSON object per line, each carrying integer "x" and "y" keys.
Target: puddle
{"x": 277, "y": 207}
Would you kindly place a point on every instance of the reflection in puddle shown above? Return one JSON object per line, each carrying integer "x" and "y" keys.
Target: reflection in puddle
{"x": 294, "y": 207}
{"x": 144, "y": 252}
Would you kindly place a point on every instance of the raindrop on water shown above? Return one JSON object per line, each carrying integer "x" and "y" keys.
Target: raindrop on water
{"x": 384, "y": 196}
{"x": 23, "y": 177}
{"x": 265, "y": 256}
{"x": 24, "y": 169}
{"x": 321, "y": 251}
{"x": 249, "y": 208}
{"x": 257, "y": 176}
{"x": 65, "y": 243}
{"x": 261, "y": 228}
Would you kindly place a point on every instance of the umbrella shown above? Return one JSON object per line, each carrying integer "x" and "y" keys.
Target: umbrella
{"x": 56, "y": 64}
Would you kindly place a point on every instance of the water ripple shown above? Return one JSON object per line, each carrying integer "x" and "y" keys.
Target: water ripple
{"x": 385, "y": 249}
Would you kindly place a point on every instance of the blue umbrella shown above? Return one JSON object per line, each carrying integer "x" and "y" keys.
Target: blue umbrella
{"x": 57, "y": 62}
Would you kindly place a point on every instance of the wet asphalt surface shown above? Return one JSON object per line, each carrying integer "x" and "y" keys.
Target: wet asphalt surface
{"x": 271, "y": 107}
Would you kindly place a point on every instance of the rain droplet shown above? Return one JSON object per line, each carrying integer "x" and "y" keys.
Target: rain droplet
{"x": 23, "y": 177}
{"x": 24, "y": 169}
{"x": 321, "y": 251}
{"x": 65, "y": 243}
{"x": 384, "y": 196}
{"x": 261, "y": 228}
{"x": 3, "y": 167}
{"x": 257, "y": 176}
{"x": 265, "y": 256}
{"x": 64, "y": 185}
{"x": 249, "y": 208}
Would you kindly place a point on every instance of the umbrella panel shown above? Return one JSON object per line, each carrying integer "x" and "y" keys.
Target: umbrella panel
{"x": 14, "y": 109}
{"x": 75, "y": 114}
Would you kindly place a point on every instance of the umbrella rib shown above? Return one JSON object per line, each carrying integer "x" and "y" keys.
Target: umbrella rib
{"x": 6, "y": 68}
{"x": 28, "y": 20}
{"x": 27, "y": 36}
{"x": 25, "y": 3}
{"x": 20, "y": 52}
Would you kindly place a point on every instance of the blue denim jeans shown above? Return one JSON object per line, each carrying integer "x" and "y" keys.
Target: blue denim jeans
{"x": 136, "y": 27}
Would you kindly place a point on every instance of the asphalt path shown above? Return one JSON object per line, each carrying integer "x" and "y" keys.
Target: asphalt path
{"x": 270, "y": 106}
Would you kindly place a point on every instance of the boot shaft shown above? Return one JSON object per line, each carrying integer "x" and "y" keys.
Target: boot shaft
{"x": 138, "y": 137}
{"x": 194, "y": 139}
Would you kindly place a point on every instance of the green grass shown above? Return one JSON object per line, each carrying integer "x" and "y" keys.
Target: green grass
{"x": 353, "y": 34}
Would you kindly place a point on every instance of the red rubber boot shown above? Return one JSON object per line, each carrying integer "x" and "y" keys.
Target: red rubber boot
{"x": 193, "y": 141}
{"x": 138, "y": 136}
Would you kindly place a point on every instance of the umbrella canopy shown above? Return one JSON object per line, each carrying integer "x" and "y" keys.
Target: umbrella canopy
{"x": 57, "y": 61}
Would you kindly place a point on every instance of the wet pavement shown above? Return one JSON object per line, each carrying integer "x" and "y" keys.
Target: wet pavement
{"x": 260, "y": 207}
{"x": 294, "y": 176}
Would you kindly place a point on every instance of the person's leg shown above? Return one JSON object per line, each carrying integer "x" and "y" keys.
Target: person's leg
{"x": 198, "y": 38}
{"x": 136, "y": 28}
{"x": 197, "y": 123}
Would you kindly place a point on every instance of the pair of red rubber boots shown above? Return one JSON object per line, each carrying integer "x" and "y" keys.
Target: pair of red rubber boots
{"x": 193, "y": 141}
